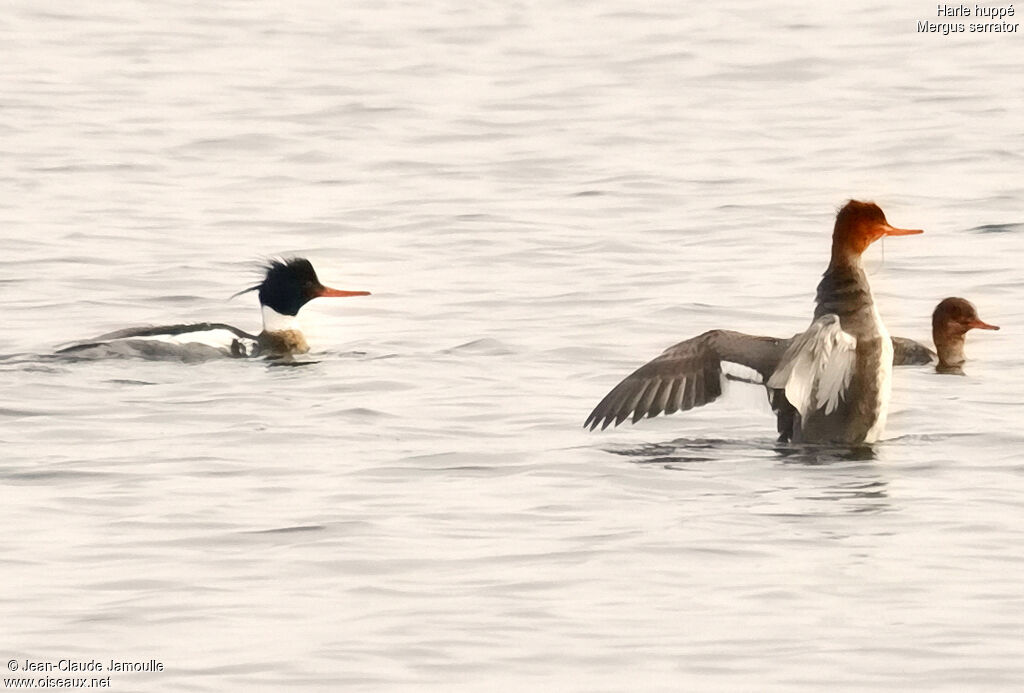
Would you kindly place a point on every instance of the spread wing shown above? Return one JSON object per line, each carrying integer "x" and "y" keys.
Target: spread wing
{"x": 907, "y": 352}
{"x": 686, "y": 375}
{"x": 816, "y": 369}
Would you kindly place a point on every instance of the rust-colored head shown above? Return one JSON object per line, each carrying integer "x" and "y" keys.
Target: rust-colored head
{"x": 956, "y": 316}
{"x": 858, "y": 225}
{"x": 952, "y": 319}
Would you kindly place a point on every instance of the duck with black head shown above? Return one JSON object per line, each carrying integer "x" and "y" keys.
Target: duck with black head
{"x": 286, "y": 287}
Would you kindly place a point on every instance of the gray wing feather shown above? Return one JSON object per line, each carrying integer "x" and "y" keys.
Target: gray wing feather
{"x": 685, "y": 376}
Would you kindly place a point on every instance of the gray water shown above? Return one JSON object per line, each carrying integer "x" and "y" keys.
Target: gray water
{"x": 541, "y": 197}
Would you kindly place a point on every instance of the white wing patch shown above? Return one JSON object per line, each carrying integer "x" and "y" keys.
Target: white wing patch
{"x": 218, "y": 339}
{"x": 816, "y": 370}
{"x": 737, "y": 371}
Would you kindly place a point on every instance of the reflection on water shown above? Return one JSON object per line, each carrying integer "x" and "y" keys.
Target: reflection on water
{"x": 690, "y": 450}
{"x": 813, "y": 455}
{"x": 844, "y": 475}
{"x": 678, "y": 453}
{"x": 854, "y": 490}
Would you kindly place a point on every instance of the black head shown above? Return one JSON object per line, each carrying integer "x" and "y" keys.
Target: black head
{"x": 290, "y": 284}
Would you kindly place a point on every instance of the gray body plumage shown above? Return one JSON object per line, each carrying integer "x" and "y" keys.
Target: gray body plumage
{"x": 845, "y": 293}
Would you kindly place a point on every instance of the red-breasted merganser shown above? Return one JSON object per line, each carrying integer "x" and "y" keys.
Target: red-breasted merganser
{"x": 828, "y": 384}
{"x": 951, "y": 321}
{"x": 700, "y": 363}
{"x": 287, "y": 286}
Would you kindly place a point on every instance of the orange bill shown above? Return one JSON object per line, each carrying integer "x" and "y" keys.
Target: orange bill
{"x": 893, "y": 231}
{"x": 328, "y": 291}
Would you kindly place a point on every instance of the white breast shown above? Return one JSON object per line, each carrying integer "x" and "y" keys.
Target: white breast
{"x": 884, "y": 380}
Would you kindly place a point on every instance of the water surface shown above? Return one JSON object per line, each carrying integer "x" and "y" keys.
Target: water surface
{"x": 541, "y": 197}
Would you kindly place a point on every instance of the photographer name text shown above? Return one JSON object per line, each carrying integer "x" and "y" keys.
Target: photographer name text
{"x": 89, "y": 666}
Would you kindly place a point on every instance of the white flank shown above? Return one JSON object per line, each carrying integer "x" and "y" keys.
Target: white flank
{"x": 218, "y": 339}
{"x": 884, "y": 381}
